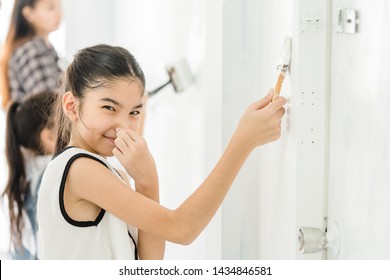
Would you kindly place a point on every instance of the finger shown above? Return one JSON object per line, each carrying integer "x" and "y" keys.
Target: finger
{"x": 117, "y": 153}
{"x": 281, "y": 112}
{"x": 134, "y": 135}
{"x": 121, "y": 144}
{"x": 278, "y": 103}
{"x": 125, "y": 137}
{"x": 264, "y": 101}
{"x": 130, "y": 133}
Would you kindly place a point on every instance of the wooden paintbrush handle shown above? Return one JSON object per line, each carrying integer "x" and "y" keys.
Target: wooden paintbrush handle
{"x": 278, "y": 86}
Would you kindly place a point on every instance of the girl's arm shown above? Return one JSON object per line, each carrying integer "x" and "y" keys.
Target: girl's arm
{"x": 150, "y": 247}
{"x": 259, "y": 125}
{"x": 138, "y": 160}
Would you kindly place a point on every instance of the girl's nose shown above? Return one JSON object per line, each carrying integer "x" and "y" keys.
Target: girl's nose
{"x": 124, "y": 123}
{"x": 131, "y": 124}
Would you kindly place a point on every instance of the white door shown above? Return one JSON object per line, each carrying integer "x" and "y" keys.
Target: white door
{"x": 359, "y": 161}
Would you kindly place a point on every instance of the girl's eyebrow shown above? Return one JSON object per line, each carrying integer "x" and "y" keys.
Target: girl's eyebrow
{"x": 107, "y": 99}
{"x": 138, "y": 106}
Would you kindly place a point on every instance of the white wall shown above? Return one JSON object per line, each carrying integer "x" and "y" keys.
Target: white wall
{"x": 240, "y": 87}
{"x": 259, "y": 213}
{"x": 277, "y": 187}
{"x": 87, "y": 23}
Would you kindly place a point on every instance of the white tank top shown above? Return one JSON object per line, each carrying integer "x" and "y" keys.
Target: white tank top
{"x": 61, "y": 237}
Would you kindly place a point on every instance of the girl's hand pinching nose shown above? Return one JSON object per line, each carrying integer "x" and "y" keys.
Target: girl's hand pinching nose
{"x": 132, "y": 152}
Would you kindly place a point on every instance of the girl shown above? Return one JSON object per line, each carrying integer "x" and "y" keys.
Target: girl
{"x": 86, "y": 209}
{"x": 29, "y": 140}
{"x": 28, "y": 62}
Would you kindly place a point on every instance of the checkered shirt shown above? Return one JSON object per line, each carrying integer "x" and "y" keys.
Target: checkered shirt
{"x": 33, "y": 68}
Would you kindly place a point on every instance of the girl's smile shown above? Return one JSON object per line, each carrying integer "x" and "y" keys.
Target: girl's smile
{"x": 111, "y": 139}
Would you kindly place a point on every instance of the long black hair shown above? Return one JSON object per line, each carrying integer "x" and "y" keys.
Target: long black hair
{"x": 20, "y": 30}
{"x": 23, "y": 28}
{"x": 25, "y": 122}
{"x": 91, "y": 68}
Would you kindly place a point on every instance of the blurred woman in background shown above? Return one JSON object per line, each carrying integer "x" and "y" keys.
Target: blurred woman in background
{"x": 28, "y": 62}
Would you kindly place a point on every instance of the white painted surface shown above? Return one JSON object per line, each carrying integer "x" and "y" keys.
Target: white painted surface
{"x": 87, "y": 23}
{"x": 359, "y": 194}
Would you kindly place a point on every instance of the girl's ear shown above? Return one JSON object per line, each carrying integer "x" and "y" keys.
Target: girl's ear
{"x": 27, "y": 13}
{"x": 70, "y": 105}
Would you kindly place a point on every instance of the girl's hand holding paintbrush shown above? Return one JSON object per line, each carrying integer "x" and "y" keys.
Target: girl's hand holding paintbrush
{"x": 261, "y": 123}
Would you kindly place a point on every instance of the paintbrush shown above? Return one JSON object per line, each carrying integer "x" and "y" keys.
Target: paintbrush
{"x": 180, "y": 77}
{"x": 283, "y": 66}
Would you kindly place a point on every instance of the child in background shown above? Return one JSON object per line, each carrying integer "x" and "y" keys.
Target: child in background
{"x": 86, "y": 208}
{"x": 28, "y": 62}
{"x": 30, "y": 142}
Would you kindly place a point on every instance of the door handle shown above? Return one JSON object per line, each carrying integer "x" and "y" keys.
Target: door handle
{"x": 313, "y": 240}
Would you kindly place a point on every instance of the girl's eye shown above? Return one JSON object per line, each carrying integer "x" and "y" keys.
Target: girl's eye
{"x": 134, "y": 113}
{"x": 110, "y": 108}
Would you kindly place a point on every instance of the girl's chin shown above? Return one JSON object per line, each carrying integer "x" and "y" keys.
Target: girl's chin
{"x": 107, "y": 153}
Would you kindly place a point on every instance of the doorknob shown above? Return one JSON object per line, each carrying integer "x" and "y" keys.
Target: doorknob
{"x": 313, "y": 240}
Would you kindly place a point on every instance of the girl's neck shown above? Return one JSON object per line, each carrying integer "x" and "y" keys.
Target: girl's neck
{"x": 44, "y": 36}
{"x": 84, "y": 146}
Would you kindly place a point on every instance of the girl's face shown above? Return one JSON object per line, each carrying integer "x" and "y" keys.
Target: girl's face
{"x": 102, "y": 111}
{"x": 45, "y": 16}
